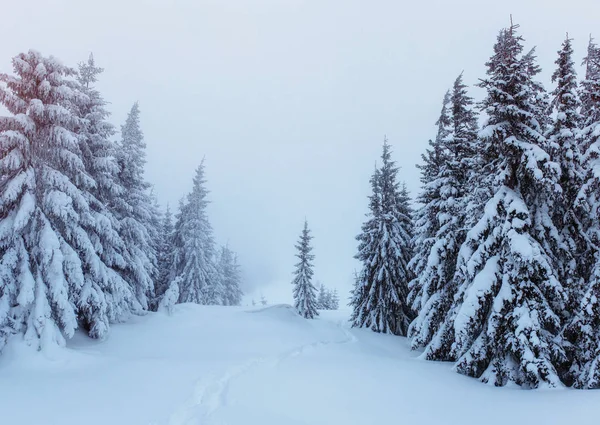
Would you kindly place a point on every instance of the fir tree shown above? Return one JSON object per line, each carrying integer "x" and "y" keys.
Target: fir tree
{"x": 583, "y": 330}
{"x": 305, "y": 297}
{"x": 322, "y": 299}
{"x": 565, "y": 144}
{"x": 505, "y": 318}
{"x": 426, "y": 223}
{"x": 432, "y": 289}
{"x": 385, "y": 248}
{"x": 134, "y": 210}
{"x": 335, "y": 300}
{"x": 263, "y": 300}
{"x": 97, "y": 153}
{"x": 164, "y": 257}
{"x": 198, "y": 277}
{"x": 229, "y": 273}
{"x": 50, "y": 236}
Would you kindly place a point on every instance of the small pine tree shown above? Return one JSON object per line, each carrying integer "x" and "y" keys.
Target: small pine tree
{"x": 229, "y": 272}
{"x": 263, "y": 300}
{"x": 164, "y": 257}
{"x": 194, "y": 245}
{"x": 322, "y": 299}
{"x": 335, "y": 300}
{"x": 305, "y": 298}
{"x": 379, "y": 297}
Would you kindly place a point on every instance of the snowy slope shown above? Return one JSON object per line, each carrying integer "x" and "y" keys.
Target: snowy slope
{"x": 224, "y": 365}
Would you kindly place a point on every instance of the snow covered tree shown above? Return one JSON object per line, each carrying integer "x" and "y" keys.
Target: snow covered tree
{"x": 564, "y": 142}
{"x": 426, "y": 223}
{"x": 97, "y": 153}
{"x": 505, "y": 318}
{"x": 134, "y": 210}
{"x": 432, "y": 290}
{"x": 305, "y": 297}
{"x": 322, "y": 298}
{"x": 51, "y": 274}
{"x": 230, "y": 275}
{"x": 195, "y": 246}
{"x": 263, "y": 300}
{"x": 583, "y": 329}
{"x": 335, "y": 300}
{"x": 164, "y": 257}
{"x": 385, "y": 248}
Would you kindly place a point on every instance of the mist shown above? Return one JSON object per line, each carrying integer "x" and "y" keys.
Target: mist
{"x": 288, "y": 101}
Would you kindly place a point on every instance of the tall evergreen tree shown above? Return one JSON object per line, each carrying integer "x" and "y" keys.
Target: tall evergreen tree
{"x": 426, "y": 223}
{"x": 583, "y": 329}
{"x": 305, "y": 297}
{"x": 164, "y": 257}
{"x": 97, "y": 152}
{"x": 230, "y": 275}
{"x": 504, "y": 322}
{"x": 50, "y": 270}
{"x": 564, "y": 142}
{"x": 134, "y": 210}
{"x": 379, "y": 299}
{"x": 432, "y": 289}
{"x": 199, "y": 282}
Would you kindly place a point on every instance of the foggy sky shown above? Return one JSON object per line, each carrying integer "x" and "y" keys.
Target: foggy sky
{"x": 289, "y": 100}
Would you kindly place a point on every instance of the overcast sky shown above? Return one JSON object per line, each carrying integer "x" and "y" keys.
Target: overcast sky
{"x": 289, "y": 100}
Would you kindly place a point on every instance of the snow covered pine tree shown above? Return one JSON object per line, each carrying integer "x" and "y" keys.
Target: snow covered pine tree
{"x": 164, "y": 257}
{"x": 50, "y": 235}
{"x": 385, "y": 248}
{"x": 447, "y": 192}
{"x": 583, "y": 329}
{"x": 230, "y": 276}
{"x": 503, "y": 325}
{"x": 305, "y": 297}
{"x": 133, "y": 209}
{"x": 195, "y": 248}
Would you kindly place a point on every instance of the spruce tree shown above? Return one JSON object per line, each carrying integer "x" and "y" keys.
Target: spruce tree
{"x": 51, "y": 274}
{"x": 98, "y": 155}
{"x": 164, "y": 257}
{"x": 379, "y": 299}
{"x": 322, "y": 299}
{"x": 564, "y": 142}
{"x": 583, "y": 329}
{"x": 426, "y": 223}
{"x": 305, "y": 297}
{"x": 134, "y": 210}
{"x": 505, "y": 318}
{"x": 230, "y": 275}
{"x": 335, "y": 300}
{"x": 195, "y": 246}
{"x": 432, "y": 289}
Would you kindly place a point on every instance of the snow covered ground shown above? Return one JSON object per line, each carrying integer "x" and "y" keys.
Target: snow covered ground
{"x": 224, "y": 365}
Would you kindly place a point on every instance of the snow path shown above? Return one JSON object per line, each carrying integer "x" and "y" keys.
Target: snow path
{"x": 211, "y": 394}
{"x": 243, "y": 366}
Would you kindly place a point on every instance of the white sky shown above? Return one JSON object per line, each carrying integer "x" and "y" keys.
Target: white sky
{"x": 288, "y": 99}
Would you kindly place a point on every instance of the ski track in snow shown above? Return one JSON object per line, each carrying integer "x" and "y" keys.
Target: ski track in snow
{"x": 210, "y": 394}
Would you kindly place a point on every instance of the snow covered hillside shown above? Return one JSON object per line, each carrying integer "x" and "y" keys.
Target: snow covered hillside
{"x": 264, "y": 366}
